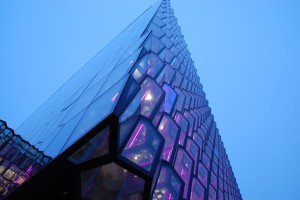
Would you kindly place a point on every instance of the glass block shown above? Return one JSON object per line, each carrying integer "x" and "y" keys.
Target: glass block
{"x": 158, "y": 21}
{"x": 184, "y": 125}
{"x": 191, "y": 120}
{"x": 197, "y": 190}
{"x": 131, "y": 109}
{"x": 97, "y": 111}
{"x": 169, "y": 76}
{"x": 152, "y": 95}
{"x": 170, "y": 131}
{"x": 213, "y": 180}
{"x": 178, "y": 79}
{"x": 140, "y": 69}
{"x": 156, "y": 31}
{"x": 126, "y": 128}
{"x": 168, "y": 185}
{"x": 169, "y": 56}
{"x": 184, "y": 167}
{"x": 175, "y": 63}
{"x": 157, "y": 46}
{"x": 143, "y": 145}
{"x": 220, "y": 195}
{"x": 202, "y": 174}
{"x": 180, "y": 100}
{"x": 170, "y": 98}
{"x": 155, "y": 65}
{"x": 193, "y": 150}
{"x": 111, "y": 182}
{"x": 206, "y": 161}
{"x": 212, "y": 193}
{"x": 96, "y": 147}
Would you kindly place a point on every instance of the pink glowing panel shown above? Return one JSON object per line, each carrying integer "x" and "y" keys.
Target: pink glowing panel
{"x": 197, "y": 190}
{"x": 142, "y": 146}
{"x": 152, "y": 94}
{"x": 184, "y": 166}
{"x": 170, "y": 98}
{"x": 170, "y": 132}
{"x": 168, "y": 185}
{"x": 202, "y": 174}
{"x": 184, "y": 125}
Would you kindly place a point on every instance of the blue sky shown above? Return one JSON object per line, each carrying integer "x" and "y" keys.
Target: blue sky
{"x": 247, "y": 54}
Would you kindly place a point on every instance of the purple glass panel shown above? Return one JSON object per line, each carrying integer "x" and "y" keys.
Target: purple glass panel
{"x": 170, "y": 132}
{"x": 170, "y": 98}
{"x": 212, "y": 193}
{"x": 169, "y": 185}
{"x": 213, "y": 180}
{"x": 220, "y": 184}
{"x": 197, "y": 190}
{"x": 184, "y": 125}
{"x": 180, "y": 100}
{"x": 206, "y": 161}
{"x": 220, "y": 195}
{"x": 202, "y": 174}
{"x": 184, "y": 166}
{"x": 214, "y": 168}
{"x": 191, "y": 120}
{"x": 151, "y": 96}
{"x": 193, "y": 150}
{"x": 142, "y": 146}
{"x": 169, "y": 74}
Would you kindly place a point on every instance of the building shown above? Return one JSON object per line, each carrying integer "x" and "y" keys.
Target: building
{"x": 133, "y": 123}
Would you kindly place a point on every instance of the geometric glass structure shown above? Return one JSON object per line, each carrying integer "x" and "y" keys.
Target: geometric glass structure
{"x": 133, "y": 123}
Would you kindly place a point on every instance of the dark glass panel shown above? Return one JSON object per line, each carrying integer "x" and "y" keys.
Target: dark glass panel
{"x": 111, "y": 182}
{"x": 97, "y": 146}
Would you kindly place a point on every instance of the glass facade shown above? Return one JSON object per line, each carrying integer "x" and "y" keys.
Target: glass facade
{"x": 134, "y": 122}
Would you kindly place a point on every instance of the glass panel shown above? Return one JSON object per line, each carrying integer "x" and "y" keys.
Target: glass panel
{"x": 202, "y": 174}
{"x": 97, "y": 146}
{"x": 197, "y": 190}
{"x": 170, "y": 132}
{"x": 142, "y": 146}
{"x": 170, "y": 98}
{"x": 213, "y": 180}
{"x": 212, "y": 193}
{"x": 193, "y": 150}
{"x": 184, "y": 125}
{"x": 151, "y": 96}
{"x": 131, "y": 108}
{"x": 111, "y": 182}
{"x": 191, "y": 120}
{"x": 184, "y": 166}
{"x": 140, "y": 69}
{"x": 154, "y": 65}
{"x": 97, "y": 111}
{"x": 168, "y": 185}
